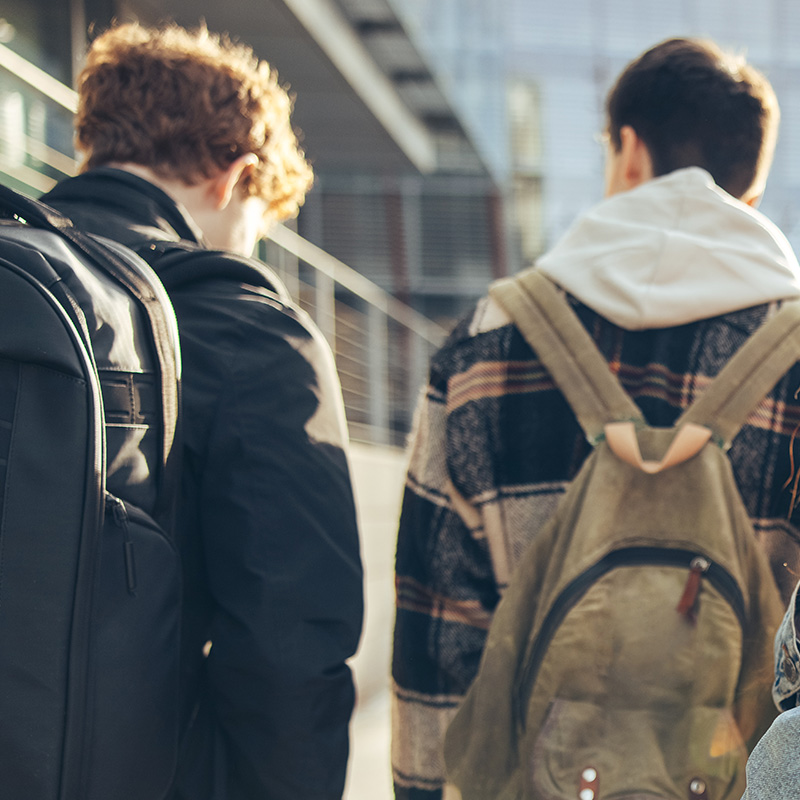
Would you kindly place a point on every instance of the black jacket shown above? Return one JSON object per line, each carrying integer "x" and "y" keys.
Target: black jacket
{"x": 267, "y": 521}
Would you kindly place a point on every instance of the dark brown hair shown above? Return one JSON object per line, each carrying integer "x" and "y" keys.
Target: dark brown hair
{"x": 186, "y": 104}
{"x": 692, "y": 104}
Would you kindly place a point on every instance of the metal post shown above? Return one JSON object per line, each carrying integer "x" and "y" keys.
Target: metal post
{"x": 378, "y": 372}
{"x": 325, "y": 307}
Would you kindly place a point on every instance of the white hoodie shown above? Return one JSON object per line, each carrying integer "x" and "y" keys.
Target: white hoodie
{"x": 671, "y": 251}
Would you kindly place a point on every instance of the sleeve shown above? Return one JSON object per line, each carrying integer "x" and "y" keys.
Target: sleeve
{"x": 281, "y": 545}
{"x": 773, "y": 769}
{"x": 786, "y": 688}
{"x": 445, "y": 597}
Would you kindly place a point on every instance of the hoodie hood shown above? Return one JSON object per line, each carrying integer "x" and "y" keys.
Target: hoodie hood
{"x": 673, "y": 250}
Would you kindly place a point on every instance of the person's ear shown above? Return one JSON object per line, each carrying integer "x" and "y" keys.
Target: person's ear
{"x": 753, "y": 201}
{"x": 223, "y": 186}
{"x": 636, "y": 164}
{"x": 752, "y": 197}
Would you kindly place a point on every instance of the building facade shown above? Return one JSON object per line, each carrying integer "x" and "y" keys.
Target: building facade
{"x": 554, "y": 66}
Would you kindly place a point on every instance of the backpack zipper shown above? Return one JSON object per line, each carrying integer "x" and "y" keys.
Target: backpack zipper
{"x": 695, "y": 562}
{"x": 687, "y": 605}
{"x": 120, "y": 514}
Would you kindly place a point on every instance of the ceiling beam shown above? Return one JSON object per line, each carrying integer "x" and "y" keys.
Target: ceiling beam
{"x": 335, "y": 36}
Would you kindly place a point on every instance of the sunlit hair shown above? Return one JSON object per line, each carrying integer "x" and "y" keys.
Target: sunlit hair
{"x": 186, "y": 104}
{"x": 693, "y": 104}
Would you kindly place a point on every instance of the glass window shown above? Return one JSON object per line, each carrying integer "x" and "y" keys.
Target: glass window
{"x": 36, "y": 146}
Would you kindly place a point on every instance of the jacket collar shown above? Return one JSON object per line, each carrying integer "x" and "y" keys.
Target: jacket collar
{"x": 142, "y": 204}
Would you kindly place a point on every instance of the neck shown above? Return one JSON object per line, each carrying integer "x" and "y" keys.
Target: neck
{"x": 188, "y": 195}
{"x": 224, "y": 226}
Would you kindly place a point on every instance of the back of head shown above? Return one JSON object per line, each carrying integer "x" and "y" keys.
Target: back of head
{"x": 692, "y": 104}
{"x": 187, "y": 104}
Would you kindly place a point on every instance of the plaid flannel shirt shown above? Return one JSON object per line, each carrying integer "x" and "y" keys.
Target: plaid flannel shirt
{"x": 494, "y": 447}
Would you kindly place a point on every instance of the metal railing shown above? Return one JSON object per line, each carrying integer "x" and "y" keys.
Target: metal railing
{"x": 381, "y": 346}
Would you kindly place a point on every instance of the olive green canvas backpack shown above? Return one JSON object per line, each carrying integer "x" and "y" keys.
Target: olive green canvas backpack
{"x": 631, "y": 656}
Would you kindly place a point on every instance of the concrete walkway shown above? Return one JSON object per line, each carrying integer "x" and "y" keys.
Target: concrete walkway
{"x": 378, "y": 476}
{"x": 369, "y": 771}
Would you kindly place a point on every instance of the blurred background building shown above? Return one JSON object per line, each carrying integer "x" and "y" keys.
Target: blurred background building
{"x": 453, "y": 142}
{"x": 529, "y": 80}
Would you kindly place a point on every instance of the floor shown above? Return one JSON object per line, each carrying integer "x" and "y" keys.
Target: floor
{"x": 379, "y": 476}
{"x": 369, "y": 772}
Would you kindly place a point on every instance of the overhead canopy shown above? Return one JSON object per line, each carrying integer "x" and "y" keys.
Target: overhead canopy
{"x": 365, "y": 99}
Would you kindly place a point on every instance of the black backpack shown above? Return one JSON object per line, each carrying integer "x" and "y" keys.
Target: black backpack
{"x": 89, "y": 570}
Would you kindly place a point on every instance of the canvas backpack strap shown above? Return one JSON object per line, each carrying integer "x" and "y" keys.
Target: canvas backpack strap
{"x": 566, "y": 349}
{"x": 749, "y": 376}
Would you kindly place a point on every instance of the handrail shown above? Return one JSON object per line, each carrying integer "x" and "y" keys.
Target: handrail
{"x": 50, "y": 156}
{"x": 38, "y": 79}
{"x": 346, "y": 276}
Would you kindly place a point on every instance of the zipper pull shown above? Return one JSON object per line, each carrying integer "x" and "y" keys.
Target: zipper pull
{"x": 687, "y": 606}
{"x": 121, "y": 520}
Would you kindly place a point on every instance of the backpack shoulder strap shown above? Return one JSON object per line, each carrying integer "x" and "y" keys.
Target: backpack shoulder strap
{"x": 749, "y": 375}
{"x": 108, "y": 257}
{"x": 181, "y": 263}
{"x": 567, "y": 351}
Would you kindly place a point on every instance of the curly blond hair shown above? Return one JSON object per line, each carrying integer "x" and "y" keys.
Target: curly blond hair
{"x": 186, "y": 104}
